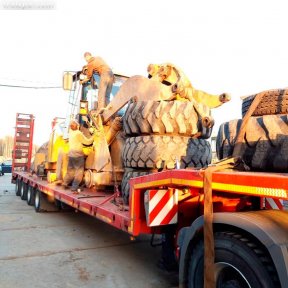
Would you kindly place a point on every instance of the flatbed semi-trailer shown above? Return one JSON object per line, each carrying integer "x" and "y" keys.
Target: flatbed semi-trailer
{"x": 223, "y": 228}
{"x": 174, "y": 198}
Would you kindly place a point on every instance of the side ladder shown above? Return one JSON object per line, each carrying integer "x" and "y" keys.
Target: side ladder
{"x": 23, "y": 142}
{"x": 72, "y": 107}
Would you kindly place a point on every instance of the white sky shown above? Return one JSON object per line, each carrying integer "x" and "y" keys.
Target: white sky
{"x": 239, "y": 47}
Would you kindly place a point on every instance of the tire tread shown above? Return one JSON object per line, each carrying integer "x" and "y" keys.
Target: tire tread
{"x": 160, "y": 117}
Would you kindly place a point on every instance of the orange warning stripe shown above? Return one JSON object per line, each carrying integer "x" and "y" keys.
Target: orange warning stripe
{"x": 233, "y": 188}
{"x": 251, "y": 190}
{"x": 175, "y": 181}
{"x": 132, "y": 204}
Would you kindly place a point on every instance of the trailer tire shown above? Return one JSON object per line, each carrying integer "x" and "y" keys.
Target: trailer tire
{"x": 61, "y": 206}
{"x": 238, "y": 261}
{"x": 30, "y": 196}
{"x": 37, "y": 201}
{"x": 125, "y": 187}
{"x": 160, "y": 117}
{"x": 24, "y": 191}
{"x": 272, "y": 102}
{"x": 160, "y": 152}
{"x": 18, "y": 186}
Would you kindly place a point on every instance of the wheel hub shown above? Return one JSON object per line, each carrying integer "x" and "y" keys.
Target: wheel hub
{"x": 228, "y": 276}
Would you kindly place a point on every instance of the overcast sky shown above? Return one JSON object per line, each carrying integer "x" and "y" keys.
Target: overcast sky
{"x": 239, "y": 47}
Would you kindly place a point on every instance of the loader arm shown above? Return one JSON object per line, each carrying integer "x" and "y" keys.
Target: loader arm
{"x": 137, "y": 88}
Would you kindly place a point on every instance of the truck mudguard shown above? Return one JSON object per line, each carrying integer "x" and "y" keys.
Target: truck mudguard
{"x": 270, "y": 227}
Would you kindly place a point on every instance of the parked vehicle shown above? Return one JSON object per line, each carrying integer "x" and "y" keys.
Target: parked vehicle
{"x": 6, "y": 167}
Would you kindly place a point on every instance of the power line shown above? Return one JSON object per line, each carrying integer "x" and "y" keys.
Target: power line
{"x": 31, "y": 87}
{"x": 24, "y": 80}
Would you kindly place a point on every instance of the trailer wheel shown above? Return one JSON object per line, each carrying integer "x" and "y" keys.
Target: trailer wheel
{"x": 30, "y": 195}
{"x": 18, "y": 186}
{"x": 239, "y": 262}
{"x": 125, "y": 187}
{"x": 160, "y": 117}
{"x": 58, "y": 203}
{"x": 37, "y": 202}
{"x": 42, "y": 203}
{"x": 272, "y": 102}
{"x": 24, "y": 191}
{"x": 156, "y": 152}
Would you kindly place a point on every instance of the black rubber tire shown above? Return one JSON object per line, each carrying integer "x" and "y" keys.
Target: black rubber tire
{"x": 160, "y": 117}
{"x": 61, "y": 206}
{"x": 265, "y": 143}
{"x": 58, "y": 204}
{"x": 18, "y": 186}
{"x": 157, "y": 152}
{"x": 125, "y": 187}
{"x": 24, "y": 191}
{"x": 272, "y": 102}
{"x": 37, "y": 201}
{"x": 226, "y": 138}
{"x": 30, "y": 196}
{"x": 236, "y": 252}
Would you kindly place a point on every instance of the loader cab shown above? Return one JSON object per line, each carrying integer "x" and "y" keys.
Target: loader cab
{"x": 119, "y": 80}
{"x": 89, "y": 90}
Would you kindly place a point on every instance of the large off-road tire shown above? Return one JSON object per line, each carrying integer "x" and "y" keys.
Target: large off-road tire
{"x": 265, "y": 144}
{"x": 157, "y": 152}
{"x": 160, "y": 117}
{"x": 272, "y": 102}
{"x": 239, "y": 262}
{"x": 125, "y": 187}
{"x": 43, "y": 148}
{"x": 226, "y": 137}
{"x": 43, "y": 151}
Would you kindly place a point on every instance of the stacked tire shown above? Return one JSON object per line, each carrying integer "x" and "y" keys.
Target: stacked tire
{"x": 273, "y": 102}
{"x": 160, "y": 136}
{"x": 265, "y": 143}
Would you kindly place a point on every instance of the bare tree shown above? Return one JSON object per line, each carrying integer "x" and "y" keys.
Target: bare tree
{"x": 7, "y": 145}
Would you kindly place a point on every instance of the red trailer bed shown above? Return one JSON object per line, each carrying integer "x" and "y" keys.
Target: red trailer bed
{"x": 104, "y": 205}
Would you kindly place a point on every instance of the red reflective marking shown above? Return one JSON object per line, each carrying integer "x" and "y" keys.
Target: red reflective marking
{"x": 170, "y": 215}
{"x": 152, "y": 193}
{"x": 278, "y": 203}
{"x": 153, "y": 214}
